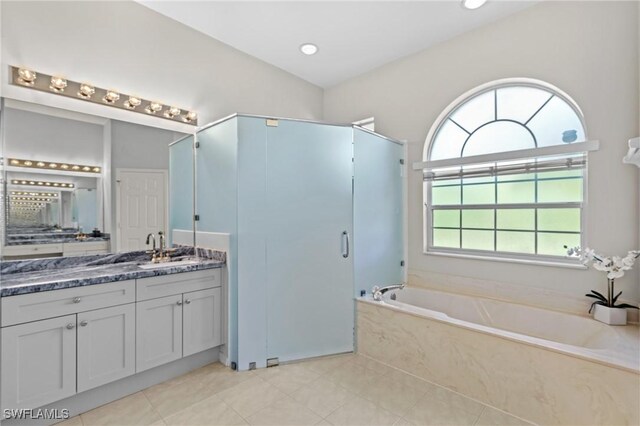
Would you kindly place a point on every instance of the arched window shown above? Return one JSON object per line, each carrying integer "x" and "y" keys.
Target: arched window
{"x": 504, "y": 173}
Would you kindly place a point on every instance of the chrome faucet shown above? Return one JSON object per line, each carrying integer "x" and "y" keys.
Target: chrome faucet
{"x": 151, "y": 236}
{"x": 163, "y": 244}
{"x": 378, "y": 292}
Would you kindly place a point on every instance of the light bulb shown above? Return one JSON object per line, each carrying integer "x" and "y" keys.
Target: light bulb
{"x": 58, "y": 84}
{"x": 27, "y": 77}
{"x": 132, "y": 102}
{"x": 153, "y": 108}
{"x": 86, "y": 91}
{"x": 111, "y": 97}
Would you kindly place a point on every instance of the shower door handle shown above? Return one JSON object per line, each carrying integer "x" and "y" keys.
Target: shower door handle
{"x": 345, "y": 244}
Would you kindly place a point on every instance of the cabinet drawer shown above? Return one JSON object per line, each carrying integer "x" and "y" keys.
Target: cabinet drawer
{"x": 167, "y": 285}
{"x": 32, "y": 249}
{"x": 72, "y": 248}
{"x": 48, "y": 304}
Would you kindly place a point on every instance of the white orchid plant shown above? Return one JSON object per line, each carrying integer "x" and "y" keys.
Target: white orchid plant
{"x": 614, "y": 266}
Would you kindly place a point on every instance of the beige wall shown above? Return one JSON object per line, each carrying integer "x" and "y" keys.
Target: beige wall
{"x": 588, "y": 49}
{"x": 128, "y": 47}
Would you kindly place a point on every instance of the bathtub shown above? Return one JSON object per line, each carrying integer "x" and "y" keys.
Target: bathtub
{"x": 545, "y": 366}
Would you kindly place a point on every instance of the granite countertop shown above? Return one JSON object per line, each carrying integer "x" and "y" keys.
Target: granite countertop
{"x": 50, "y": 238}
{"x": 31, "y": 276}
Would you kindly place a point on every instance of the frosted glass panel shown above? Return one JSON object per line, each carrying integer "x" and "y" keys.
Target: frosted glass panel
{"x": 520, "y": 103}
{"x": 475, "y": 112}
{"x": 446, "y": 218}
{"x": 499, "y": 136}
{"x": 553, "y": 120}
{"x": 479, "y": 194}
{"x": 517, "y": 219}
{"x": 559, "y": 220}
{"x": 181, "y": 186}
{"x": 377, "y": 211}
{"x": 564, "y": 190}
{"x": 477, "y": 219}
{"x": 308, "y": 207}
{"x": 450, "y": 141}
{"x": 553, "y": 244}
{"x": 446, "y": 238}
{"x": 445, "y": 195}
{"x": 516, "y": 242}
{"x": 516, "y": 192}
{"x": 477, "y": 240}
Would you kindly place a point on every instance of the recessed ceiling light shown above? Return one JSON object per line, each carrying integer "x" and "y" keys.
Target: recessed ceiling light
{"x": 473, "y": 4}
{"x": 309, "y": 49}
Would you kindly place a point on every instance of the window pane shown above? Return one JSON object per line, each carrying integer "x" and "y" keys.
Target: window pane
{"x": 553, "y": 244}
{"x": 516, "y": 242}
{"x": 446, "y": 218}
{"x": 559, "y": 220}
{"x": 475, "y": 112}
{"x": 448, "y": 142}
{"x": 520, "y": 103}
{"x": 477, "y": 219}
{"x": 563, "y": 190}
{"x": 479, "y": 194}
{"x": 519, "y": 219}
{"x": 446, "y": 238}
{"x": 498, "y": 136}
{"x": 517, "y": 192}
{"x": 446, "y": 182}
{"x": 477, "y": 240}
{"x": 553, "y": 120}
{"x": 518, "y": 176}
{"x": 561, "y": 174}
{"x": 443, "y": 195}
{"x": 483, "y": 179}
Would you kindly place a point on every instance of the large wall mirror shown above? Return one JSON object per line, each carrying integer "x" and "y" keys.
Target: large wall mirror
{"x": 77, "y": 184}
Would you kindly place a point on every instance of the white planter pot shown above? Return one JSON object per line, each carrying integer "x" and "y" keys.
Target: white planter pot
{"x": 611, "y": 316}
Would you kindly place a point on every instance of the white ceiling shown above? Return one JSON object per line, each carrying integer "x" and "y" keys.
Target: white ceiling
{"x": 353, "y": 36}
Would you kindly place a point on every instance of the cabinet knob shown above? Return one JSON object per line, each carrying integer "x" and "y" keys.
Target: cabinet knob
{"x": 71, "y": 326}
{"x": 84, "y": 323}
{"x": 179, "y": 303}
{"x": 76, "y": 300}
{"x": 187, "y": 301}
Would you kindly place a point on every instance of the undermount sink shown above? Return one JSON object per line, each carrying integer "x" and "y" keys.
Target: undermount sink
{"x": 169, "y": 264}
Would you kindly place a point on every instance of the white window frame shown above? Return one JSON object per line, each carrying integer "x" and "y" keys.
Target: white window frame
{"x": 427, "y": 220}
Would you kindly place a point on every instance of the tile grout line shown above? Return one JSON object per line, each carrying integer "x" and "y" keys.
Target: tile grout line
{"x": 153, "y": 407}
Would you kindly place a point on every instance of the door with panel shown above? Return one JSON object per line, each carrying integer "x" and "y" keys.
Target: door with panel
{"x": 201, "y": 321}
{"x": 106, "y": 345}
{"x": 38, "y": 362}
{"x": 308, "y": 209}
{"x": 141, "y": 206}
{"x": 158, "y": 331}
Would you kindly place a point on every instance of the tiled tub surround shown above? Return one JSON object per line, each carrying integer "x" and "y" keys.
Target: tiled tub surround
{"x": 31, "y": 276}
{"x": 565, "y": 370}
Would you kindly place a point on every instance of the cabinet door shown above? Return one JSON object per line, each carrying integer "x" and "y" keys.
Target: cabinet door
{"x": 38, "y": 362}
{"x": 202, "y": 321}
{"x": 158, "y": 331}
{"x": 106, "y": 345}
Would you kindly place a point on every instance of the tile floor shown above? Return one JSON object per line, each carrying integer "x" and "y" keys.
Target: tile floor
{"x": 340, "y": 390}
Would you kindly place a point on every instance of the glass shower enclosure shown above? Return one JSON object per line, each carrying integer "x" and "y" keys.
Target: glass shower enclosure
{"x": 314, "y": 214}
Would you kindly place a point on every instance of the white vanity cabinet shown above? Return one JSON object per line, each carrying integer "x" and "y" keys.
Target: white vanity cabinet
{"x": 201, "y": 317}
{"x": 57, "y": 343}
{"x": 106, "y": 345}
{"x": 182, "y": 316}
{"x": 38, "y": 362}
{"x": 159, "y": 332}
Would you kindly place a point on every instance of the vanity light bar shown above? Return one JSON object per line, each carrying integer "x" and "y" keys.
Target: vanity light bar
{"x": 33, "y": 199}
{"x": 87, "y": 92}
{"x": 35, "y": 194}
{"x": 42, "y": 183}
{"x": 33, "y": 164}
{"x": 27, "y": 203}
